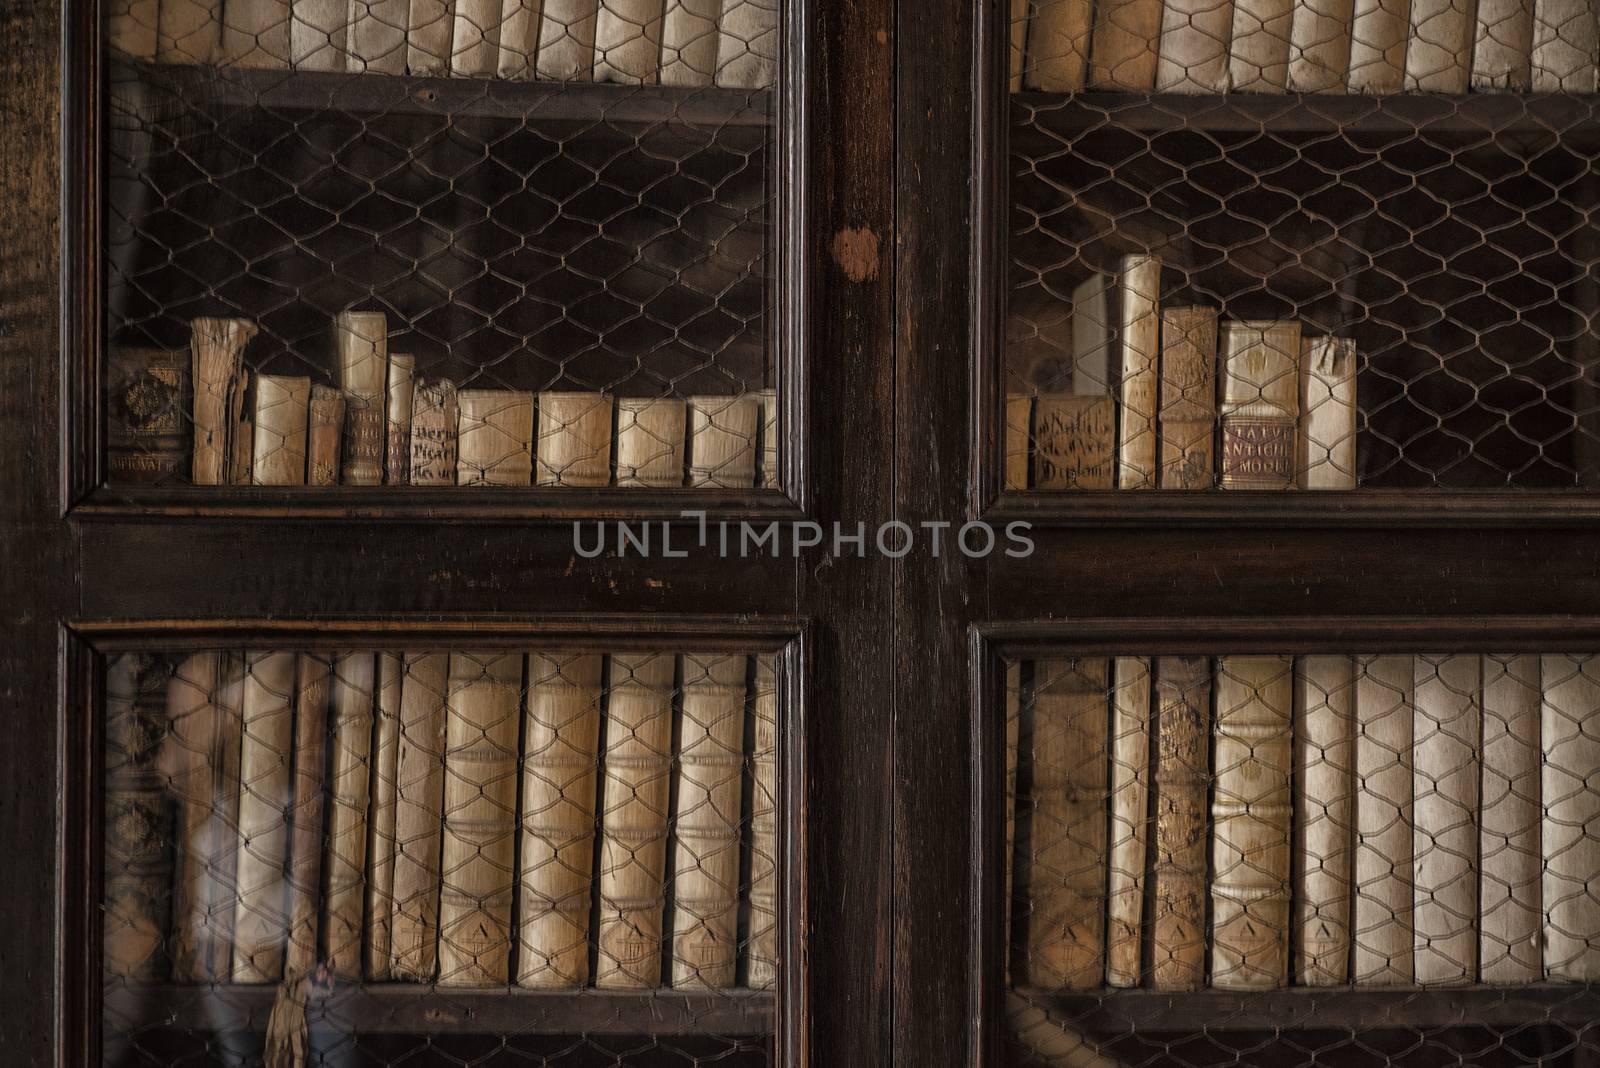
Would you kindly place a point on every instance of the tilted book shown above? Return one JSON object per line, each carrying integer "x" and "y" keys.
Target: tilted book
{"x": 1510, "y": 904}
{"x": 189, "y": 31}
{"x": 361, "y": 340}
{"x": 1260, "y": 404}
{"x": 1124, "y": 49}
{"x": 147, "y": 415}
{"x": 380, "y": 858}
{"x": 349, "y": 797}
{"x": 324, "y": 434}
{"x": 378, "y": 36}
{"x": 1378, "y": 32}
{"x": 722, "y": 441}
{"x": 1564, "y": 45}
{"x": 519, "y": 39}
{"x": 1018, "y": 431}
{"x": 306, "y": 814}
{"x": 1571, "y": 747}
{"x": 566, "y": 39}
{"x": 1258, "y": 57}
{"x": 401, "y": 394}
{"x": 689, "y": 42}
{"x": 1382, "y": 930}
{"x": 762, "y": 964}
{"x": 418, "y": 816}
{"x": 747, "y": 51}
{"x": 1445, "y": 754}
{"x": 1140, "y": 334}
{"x": 574, "y": 445}
{"x": 1182, "y": 781}
{"x": 217, "y": 351}
{"x": 1074, "y": 442}
{"x": 1130, "y": 817}
{"x": 1188, "y": 398}
{"x": 480, "y": 819}
{"x": 281, "y": 411}
{"x": 494, "y": 446}
{"x": 1058, "y": 46}
{"x": 1326, "y": 457}
{"x": 1439, "y": 45}
{"x": 475, "y": 38}
{"x": 319, "y": 34}
{"x": 1319, "y": 45}
{"x": 1502, "y": 52}
{"x": 261, "y": 919}
{"x": 650, "y": 439}
{"x": 430, "y": 34}
{"x": 137, "y": 864}
{"x": 627, "y": 41}
{"x": 1324, "y": 823}
{"x": 255, "y": 33}
{"x": 434, "y": 426}
{"x": 1195, "y": 35}
{"x": 561, "y": 754}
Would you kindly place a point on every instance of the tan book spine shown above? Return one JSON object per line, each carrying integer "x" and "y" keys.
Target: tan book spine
{"x": 1571, "y": 747}
{"x": 1019, "y": 428}
{"x": 1126, "y": 44}
{"x": 747, "y": 51}
{"x": 762, "y": 967}
{"x": 401, "y": 394}
{"x": 1130, "y": 817}
{"x": 633, "y": 836}
{"x": 1058, "y": 46}
{"x": 188, "y": 31}
{"x": 1439, "y": 45}
{"x": 494, "y": 446}
{"x": 349, "y": 797}
{"x": 380, "y": 859}
{"x": 475, "y": 38}
{"x": 650, "y": 437}
{"x": 319, "y": 34}
{"x": 217, "y": 347}
{"x": 281, "y": 407}
{"x": 1378, "y": 32}
{"x": 1510, "y": 904}
{"x": 241, "y": 431}
{"x": 1564, "y": 45}
{"x": 361, "y": 340}
{"x": 430, "y": 33}
{"x": 1188, "y": 398}
{"x": 261, "y": 920}
{"x": 770, "y": 440}
{"x": 255, "y": 33}
{"x": 305, "y": 817}
{"x": 1445, "y": 761}
{"x": 132, "y": 28}
{"x": 1195, "y": 36}
{"x": 519, "y": 39}
{"x": 1074, "y": 442}
{"x": 1140, "y": 322}
{"x": 574, "y": 446}
{"x": 566, "y": 40}
{"x": 689, "y": 42}
{"x": 1324, "y": 825}
{"x": 323, "y": 436}
{"x": 480, "y": 819}
{"x": 1020, "y": 14}
{"x": 1260, "y": 404}
{"x": 418, "y": 814}
{"x": 627, "y": 41}
{"x": 1319, "y": 45}
{"x": 434, "y": 426}
{"x": 137, "y": 865}
{"x": 378, "y": 36}
{"x": 1382, "y": 930}
{"x": 1182, "y": 778}
{"x": 1258, "y": 57}
{"x": 1502, "y": 54}
{"x": 1067, "y": 866}
{"x": 561, "y": 755}
{"x": 722, "y": 441}
{"x": 706, "y": 820}
{"x": 1326, "y": 458}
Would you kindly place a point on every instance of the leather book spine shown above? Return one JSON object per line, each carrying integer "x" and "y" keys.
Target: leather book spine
{"x": 138, "y": 832}
{"x": 1260, "y": 404}
{"x": 434, "y": 426}
{"x": 1074, "y": 442}
{"x": 217, "y": 351}
{"x": 401, "y": 393}
{"x": 147, "y": 415}
{"x": 306, "y": 814}
{"x": 362, "y": 343}
{"x": 323, "y": 436}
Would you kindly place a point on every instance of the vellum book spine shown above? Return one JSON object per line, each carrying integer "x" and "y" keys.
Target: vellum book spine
{"x": 430, "y": 33}
{"x": 561, "y": 750}
{"x": 380, "y": 859}
{"x": 1324, "y": 824}
{"x": 1258, "y": 57}
{"x": 1195, "y": 37}
{"x": 281, "y": 410}
{"x": 627, "y": 41}
{"x": 1074, "y": 442}
{"x": 1058, "y": 46}
{"x": 325, "y": 429}
{"x": 1020, "y": 15}
{"x": 1445, "y": 755}
{"x": 132, "y": 28}
{"x": 1378, "y": 32}
{"x": 633, "y": 838}
{"x": 1510, "y": 904}
{"x": 1260, "y": 404}
{"x": 689, "y": 42}
{"x": 574, "y": 446}
{"x": 1319, "y": 45}
{"x": 138, "y": 868}
{"x": 418, "y": 815}
{"x": 1502, "y": 55}
{"x": 566, "y": 40}
{"x": 475, "y": 38}
{"x": 401, "y": 395}
{"x": 378, "y": 36}
{"x": 255, "y": 33}
{"x": 1140, "y": 320}
{"x": 217, "y": 349}
{"x": 1571, "y": 745}
{"x": 650, "y": 436}
{"x": 1130, "y": 817}
{"x": 361, "y": 340}
{"x": 1188, "y": 398}
{"x": 1182, "y": 778}
{"x": 747, "y": 51}
{"x": 261, "y": 921}
{"x": 762, "y": 969}
{"x": 1382, "y": 930}
{"x": 494, "y": 446}
{"x": 349, "y": 795}
{"x": 147, "y": 407}
{"x": 434, "y": 426}
{"x": 1019, "y": 428}
{"x": 1439, "y": 45}
{"x": 519, "y": 39}
{"x": 1326, "y": 457}
{"x": 480, "y": 821}
{"x": 722, "y": 441}
{"x": 306, "y": 815}
{"x": 767, "y": 399}
{"x": 1564, "y": 45}
{"x": 1124, "y": 50}
{"x": 319, "y": 34}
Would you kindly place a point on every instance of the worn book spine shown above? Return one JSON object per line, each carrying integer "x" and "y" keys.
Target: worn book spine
{"x": 401, "y": 394}
{"x": 189, "y": 31}
{"x": 349, "y": 798}
{"x": 1502, "y": 53}
{"x": 281, "y": 412}
{"x": 147, "y": 415}
{"x": 1378, "y": 32}
{"x": 319, "y": 34}
{"x": 561, "y": 754}
{"x": 1188, "y": 398}
{"x": 762, "y": 966}
{"x": 1182, "y": 779}
{"x": 1326, "y": 456}
{"x": 1510, "y": 904}
{"x": 1124, "y": 49}
{"x": 1067, "y": 865}
{"x": 1013, "y": 881}
{"x": 566, "y": 40}
{"x": 627, "y": 41}
{"x": 380, "y": 858}
{"x": 480, "y": 819}
{"x": 689, "y": 42}
{"x": 1018, "y": 25}
{"x": 1074, "y": 442}
{"x": 434, "y": 425}
{"x": 574, "y": 446}
{"x": 722, "y": 441}
{"x": 650, "y": 437}
{"x": 475, "y": 38}
{"x": 1195, "y": 37}
{"x": 494, "y": 446}
{"x": 378, "y": 36}
{"x": 430, "y": 34}
{"x": 1571, "y": 855}
{"x": 1260, "y": 404}
{"x": 1324, "y": 824}
{"x": 261, "y": 919}
{"x": 1564, "y": 46}
{"x": 635, "y": 789}
{"x": 767, "y": 472}
{"x": 255, "y": 33}
{"x": 1130, "y": 817}
{"x": 1445, "y": 762}
{"x": 1140, "y": 334}
{"x": 138, "y": 832}
{"x": 361, "y": 460}
{"x": 1382, "y": 931}
{"x": 1253, "y": 757}
{"x": 1258, "y": 57}
{"x": 323, "y": 436}
{"x": 519, "y": 39}
{"x": 241, "y": 430}
{"x": 132, "y": 28}
{"x": 1319, "y": 45}
{"x": 706, "y": 820}
{"x": 217, "y": 350}
{"x": 1058, "y": 46}
{"x": 1439, "y": 45}
{"x": 306, "y": 814}
{"x": 747, "y": 50}
{"x": 418, "y": 814}
{"x": 1018, "y": 431}
{"x": 361, "y": 340}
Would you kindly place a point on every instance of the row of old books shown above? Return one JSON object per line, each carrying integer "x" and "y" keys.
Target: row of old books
{"x": 1303, "y": 46}
{"x": 669, "y": 42}
{"x": 1286, "y": 417}
{"x": 385, "y": 425}
{"x": 1375, "y": 820}
{"x": 429, "y": 816}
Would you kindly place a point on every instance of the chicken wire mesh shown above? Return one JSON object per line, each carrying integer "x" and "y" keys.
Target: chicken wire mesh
{"x": 445, "y": 858}
{"x": 1303, "y": 860}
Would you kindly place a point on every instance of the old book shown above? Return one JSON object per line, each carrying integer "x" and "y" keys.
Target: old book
{"x": 255, "y": 33}
{"x": 1253, "y": 757}
{"x": 706, "y": 814}
{"x": 1510, "y": 905}
{"x": 324, "y": 432}
{"x": 767, "y": 471}
{"x": 634, "y": 791}
{"x": 241, "y": 430}
{"x": 430, "y": 34}
{"x": 1260, "y": 404}
{"x": 1326, "y": 457}
{"x": 1125, "y": 46}
{"x": 349, "y": 797}
{"x": 378, "y": 36}
{"x": 217, "y": 351}
{"x": 1058, "y": 46}
{"x": 147, "y": 415}
{"x": 434, "y": 421}
{"x": 1439, "y": 45}
{"x": 189, "y": 31}
{"x": 418, "y": 814}
{"x": 761, "y": 970}
{"x": 1502, "y": 53}
{"x": 480, "y": 819}
{"x": 1324, "y": 824}
{"x": 494, "y": 446}
{"x": 138, "y": 832}
{"x": 1018, "y": 431}
{"x": 361, "y": 459}
{"x": 650, "y": 436}
{"x": 1319, "y": 45}
{"x": 689, "y": 42}
{"x": 1188, "y": 397}
{"x": 1564, "y": 45}
{"x": 475, "y": 38}
{"x": 361, "y": 340}
{"x": 1140, "y": 334}
{"x": 1014, "y": 885}
{"x": 306, "y": 814}
{"x": 561, "y": 754}
{"x": 1067, "y": 861}
{"x": 1182, "y": 780}
{"x": 1258, "y": 57}
{"x": 1445, "y": 756}
{"x": 261, "y": 919}
{"x": 132, "y": 28}
{"x": 380, "y": 857}
{"x": 319, "y": 34}
{"x": 627, "y": 41}
{"x": 1378, "y": 32}
{"x": 574, "y": 446}
{"x": 1571, "y": 748}
{"x": 519, "y": 39}
{"x": 1381, "y": 930}
{"x": 1195, "y": 36}
{"x": 1018, "y": 25}
{"x": 401, "y": 393}
{"x": 1130, "y": 817}
{"x": 747, "y": 50}
{"x": 281, "y": 412}
{"x": 566, "y": 39}
{"x": 722, "y": 441}
{"x": 1074, "y": 442}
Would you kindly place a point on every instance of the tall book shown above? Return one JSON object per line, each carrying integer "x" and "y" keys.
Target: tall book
{"x": 380, "y": 858}
{"x": 261, "y": 920}
{"x": 1124, "y": 49}
{"x": 319, "y": 34}
{"x": 1319, "y": 45}
{"x": 1445, "y": 756}
{"x": 1058, "y": 46}
{"x": 324, "y": 431}
{"x": 1326, "y": 458}
{"x": 494, "y": 446}
{"x": 434, "y": 423}
{"x": 1564, "y": 45}
{"x": 519, "y": 39}
{"x": 1195, "y": 37}
{"x": 627, "y": 41}
{"x": 430, "y": 35}
{"x": 399, "y": 402}
{"x": 1188, "y": 398}
{"x": 1018, "y": 431}
{"x": 1510, "y": 905}
{"x": 480, "y": 819}
{"x": 1378, "y": 32}
{"x": 147, "y": 409}
{"x": 217, "y": 351}
{"x": 1258, "y": 56}
{"x": 722, "y": 441}
{"x": 132, "y": 28}
{"x": 1439, "y": 45}
{"x": 1140, "y": 334}
{"x": 1130, "y": 817}
{"x": 634, "y": 792}
{"x": 561, "y": 753}
{"x": 1324, "y": 823}
{"x": 138, "y": 868}
{"x": 1571, "y": 746}
{"x": 574, "y": 445}
{"x": 1182, "y": 780}
{"x": 1074, "y": 442}
{"x": 306, "y": 814}
{"x": 189, "y": 31}
{"x": 1382, "y": 929}
{"x": 650, "y": 437}
{"x": 475, "y": 38}
{"x": 349, "y": 796}
{"x": 566, "y": 39}
{"x": 418, "y": 814}
{"x": 1502, "y": 51}
{"x": 747, "y": 50}
{"x": 1260, "y": 404}
{"x": 361, "y": 340}
{"x": 282, "y": 407}
{"x": 378, "y": 36}
{"x": 255, "y": 33}
{"x": 762, "y": 967}
{"x": 1020, "y": 14}
{"x": 689, "y": 42}
{"x": 1067, "y": 862}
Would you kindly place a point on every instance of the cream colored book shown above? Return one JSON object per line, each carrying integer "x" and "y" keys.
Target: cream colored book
{"x": 430, "y": 35}
{"x": 349, "y": 798}
{"x": 1188, "y": 398}
{"x": 1571, "y": 747}
{"x": 418, "y": 813}
{"x": 566, "y": 40}
{"x": 188, "y": 31}
{"x": 574, "y": 446}
{"x": 627, "y": 41}
{"x": 132, "y": 28}
{"x": 1319, "y": 45}
{"x": 1502, "y": 51}
{"x": 282, "y": 407}
{"x": 260, "y": 919}
{"x": 1258, "y": 57}
{"x": 561, "y": 752}
{"x": 319, "y": 34}
{"x": 480, "y": 819}
{"x": 1195, "y": 38}
{"x": 1182, "y": 780}
{"x": 361, "y": 342}
{"x": 324, "y": 431}
{"x": 650, "y": 437}
{"x": 400, "y": 397}
{"x": 1382, "y": 930}
{"x": 633, "y": 837}
{"x": 434, "y": 425}
{"x": 768, "y": 470}
{"x": 1140, "y": 320}
{"x": 1058, "y": 46}
{"x": 1324, "y": 822}
{"x": 494, "y": 446}
{"x": 378, "y": 36}
{"x": 1378, "y": 32}
{"x": 1018, "y": 431}
{"x": 306, "y": 814}
{"x": 1130, "y": 817}
{"x": 1019, "y": 16}
{"x": 1260, "y": 404}
{"x": 762, "y": 948}
{"x": 1564, "y": 45}
{"x": 1445, "y": 756}
{"x": 1126, "y": 45}
{"x": 519, "y": 39}
{"x": 255, "y": 33}
{"x": 1510, "y": 905}
{"x": 747, "y": 49}
{"x": 1326, "y": 457}
{"x": 1074, "y": 442}
{"x": 1439, "y": 45}
{"x": 380, "y": 859}
{"x": 475, "y": 38}
{"x": 689, "y": 42}
{"x": 722, "y": 441}
{"x": 217, "y": 348}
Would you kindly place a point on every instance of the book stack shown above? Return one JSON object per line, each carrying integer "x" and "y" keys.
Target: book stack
{"x": 1254, "y": 822}
{"x": 1303, "y": 46}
